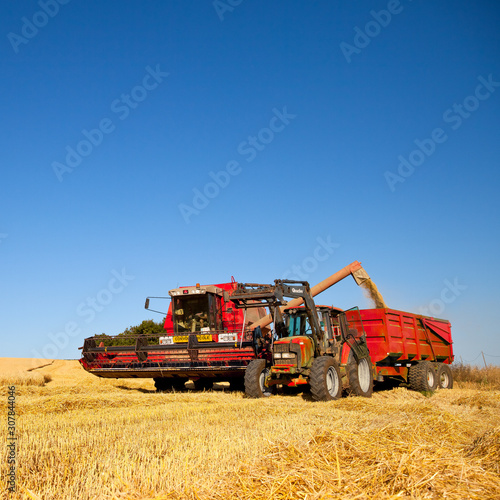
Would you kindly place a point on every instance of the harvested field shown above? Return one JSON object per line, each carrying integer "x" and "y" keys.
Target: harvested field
{"x": 80, "y": 437}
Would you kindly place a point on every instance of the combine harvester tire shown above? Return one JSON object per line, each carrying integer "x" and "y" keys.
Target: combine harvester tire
{"x": 169, "y": 384}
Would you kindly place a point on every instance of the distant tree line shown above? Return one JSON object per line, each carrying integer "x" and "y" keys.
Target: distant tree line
{"x": 148, "y": 328}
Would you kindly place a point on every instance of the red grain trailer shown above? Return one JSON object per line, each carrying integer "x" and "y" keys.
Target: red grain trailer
{"x": 409, "y": 347}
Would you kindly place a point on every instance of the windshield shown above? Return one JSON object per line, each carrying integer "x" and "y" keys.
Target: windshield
{"x": 191, "y": 313}
{"x": 298, "y": 324}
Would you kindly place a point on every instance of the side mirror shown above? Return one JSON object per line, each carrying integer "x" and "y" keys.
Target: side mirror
{"x": 146, "y": 305}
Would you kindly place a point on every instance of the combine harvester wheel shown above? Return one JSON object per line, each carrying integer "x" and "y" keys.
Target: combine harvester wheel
{"x": 169, "y": 384}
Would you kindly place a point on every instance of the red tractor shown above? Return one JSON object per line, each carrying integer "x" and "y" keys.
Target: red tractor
{"x": 329, "y": 349}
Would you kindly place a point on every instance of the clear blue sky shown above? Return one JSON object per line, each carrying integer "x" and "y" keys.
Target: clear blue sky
{"x": 310, "y": 106}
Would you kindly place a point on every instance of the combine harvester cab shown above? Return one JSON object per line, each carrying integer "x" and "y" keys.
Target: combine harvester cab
{"x": 206, "y": 340}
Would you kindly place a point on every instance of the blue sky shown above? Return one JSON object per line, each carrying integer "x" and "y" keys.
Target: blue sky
{"x": 119, "y": 118}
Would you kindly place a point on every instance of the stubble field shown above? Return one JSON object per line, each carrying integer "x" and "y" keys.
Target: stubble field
{"x": 80, "y": 437}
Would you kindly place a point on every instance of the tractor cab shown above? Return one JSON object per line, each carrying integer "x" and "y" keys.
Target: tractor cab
{"x": 300, "y": 337}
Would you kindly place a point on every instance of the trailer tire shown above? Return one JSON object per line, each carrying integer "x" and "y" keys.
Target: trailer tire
{"x": 255, "y": 375}
{"x": 423, "y": 377}
{"x": 444, "y": 376}
{"x": 325, "y": 380}
{"x": 360, "y": 376}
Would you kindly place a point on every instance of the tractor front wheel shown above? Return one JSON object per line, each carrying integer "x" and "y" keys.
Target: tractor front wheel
{"x": 325, "y": 380}
{"x": 255, "y": 377}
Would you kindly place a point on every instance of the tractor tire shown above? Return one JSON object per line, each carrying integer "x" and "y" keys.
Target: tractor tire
{"x": 203, "y": 384}
{"x": 255, "y": 375}
{"x": 444, "y": 377}
{"x": 325, "y": 380}
{"x": 360, "y": 376}
{"x": 423, "y": 377}
{"x": 169, "y": 384}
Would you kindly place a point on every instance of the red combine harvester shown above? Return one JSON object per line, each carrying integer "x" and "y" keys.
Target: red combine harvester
{"x": 206, "y": 340}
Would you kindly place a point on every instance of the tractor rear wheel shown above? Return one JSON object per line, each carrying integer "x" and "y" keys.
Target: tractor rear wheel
{"x": 423, "y": 377}
{"x": 325, "y": 380}
{"x": 445, "y": 377}
{"x": 360, "y": 376}
{"x": 255, "y": 377}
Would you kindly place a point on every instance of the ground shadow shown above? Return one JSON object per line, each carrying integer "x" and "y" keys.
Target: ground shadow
{"x": 137, "y": 389}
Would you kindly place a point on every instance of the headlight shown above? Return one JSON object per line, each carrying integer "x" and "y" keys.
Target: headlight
{"x": 277, "y": 355}
{"x": 288, "y": 355}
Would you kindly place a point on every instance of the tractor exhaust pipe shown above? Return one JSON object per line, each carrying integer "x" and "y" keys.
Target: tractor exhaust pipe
{"x": 358, "y": 273}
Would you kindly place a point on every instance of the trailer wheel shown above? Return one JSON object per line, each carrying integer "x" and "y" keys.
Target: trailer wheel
{"x": 423, "y": 377}
{"x": 360, "y": 376}
{"x": 445, "y": 377}
{"x": 255, "y": 376}
{"x": 325, "y": 380}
